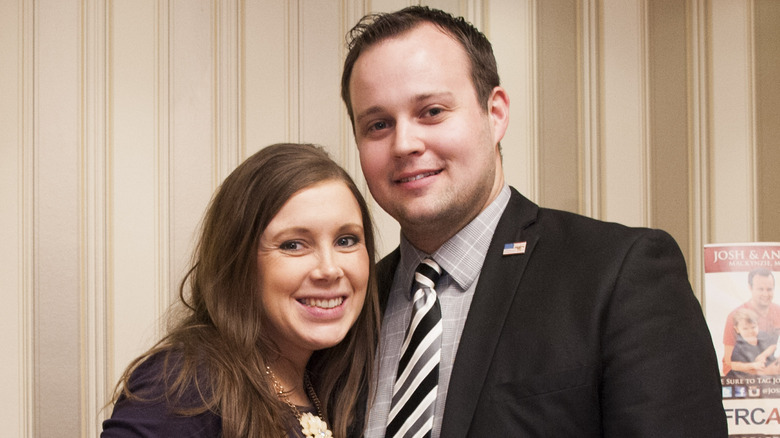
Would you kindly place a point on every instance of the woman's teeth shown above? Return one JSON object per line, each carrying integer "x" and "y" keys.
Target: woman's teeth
{"x": 324, "y": 304}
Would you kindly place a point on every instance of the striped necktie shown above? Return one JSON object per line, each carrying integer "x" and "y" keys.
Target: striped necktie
{"x": 417, "y": 381}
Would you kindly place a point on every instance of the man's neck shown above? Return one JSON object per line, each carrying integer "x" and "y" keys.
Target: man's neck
{"x": 761, "y": 310}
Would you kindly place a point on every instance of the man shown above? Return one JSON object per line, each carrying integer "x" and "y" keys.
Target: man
{"x": 551, "y": 324}
{"x": 762, "y": 294}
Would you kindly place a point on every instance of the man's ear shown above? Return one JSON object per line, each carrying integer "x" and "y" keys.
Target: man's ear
{"x": 498, "y": 111}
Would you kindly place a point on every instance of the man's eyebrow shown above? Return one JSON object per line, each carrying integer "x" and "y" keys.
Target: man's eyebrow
{"x": 368, "y": 112}
{"x": 426, "y": 96}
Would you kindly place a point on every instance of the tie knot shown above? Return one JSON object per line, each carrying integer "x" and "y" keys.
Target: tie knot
{"x": 427, "y": 273}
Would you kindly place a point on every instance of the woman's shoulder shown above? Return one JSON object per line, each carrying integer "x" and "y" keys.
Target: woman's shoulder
{"x": 152, "y": 406}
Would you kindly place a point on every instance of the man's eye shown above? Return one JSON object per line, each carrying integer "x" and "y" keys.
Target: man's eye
{"x": 378, "y": 126}
{"x": 434, "y": 112}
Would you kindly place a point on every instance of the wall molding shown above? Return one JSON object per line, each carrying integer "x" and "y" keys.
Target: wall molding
{"x": 531, "y": 86}
{"x": 94, "y": 218}
{"x": 644, "y": 113}
{"x": 590, "y": 107}
{"x": 699, "y": 133}
{"x": 293, "y": 63}
{"x": 750, "y": 28}
{"x": 164, "y": 161}
{"x": 27, "y": 259}
{"x": 227, "y": 25}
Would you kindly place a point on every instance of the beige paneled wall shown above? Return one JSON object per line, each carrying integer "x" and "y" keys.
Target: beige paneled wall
{"x": 624, "y": 111}
{"x": 516, "y": 53}
{"x": 557, "y": 109}
{"x": 732, "y": 142}
{"x": 57, "y": 220}
{"x": 767, "y": 74}
{"x": 119, "y": 118}
{"x": 668, "y": 123}
{"x": 16, "y": 221}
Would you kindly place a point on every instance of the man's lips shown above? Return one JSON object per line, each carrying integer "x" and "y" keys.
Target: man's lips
{"x": 417, "y": 176}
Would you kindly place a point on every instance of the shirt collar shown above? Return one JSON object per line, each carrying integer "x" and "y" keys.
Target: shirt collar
{"x": 464, "y": 253}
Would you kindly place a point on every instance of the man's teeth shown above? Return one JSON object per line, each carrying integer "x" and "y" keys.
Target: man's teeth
{"x": 416, "y": 177}
{"x": 324, "y": 304}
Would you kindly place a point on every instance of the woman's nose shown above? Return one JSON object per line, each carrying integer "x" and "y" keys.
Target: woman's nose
{"x": 328, "y": 268}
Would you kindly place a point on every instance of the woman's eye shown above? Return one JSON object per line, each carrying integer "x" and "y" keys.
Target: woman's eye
{"x": 347, "y": 241}
{"x": 291, "y": 245}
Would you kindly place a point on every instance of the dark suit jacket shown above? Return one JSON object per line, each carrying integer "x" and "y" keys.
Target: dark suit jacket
{"x": 593, "y": 331}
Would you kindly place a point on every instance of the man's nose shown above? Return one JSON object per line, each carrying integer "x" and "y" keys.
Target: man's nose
{"x": 407, "y": 139}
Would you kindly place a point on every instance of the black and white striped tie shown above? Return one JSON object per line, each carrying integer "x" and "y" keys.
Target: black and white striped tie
{"x": 414, "y": 393}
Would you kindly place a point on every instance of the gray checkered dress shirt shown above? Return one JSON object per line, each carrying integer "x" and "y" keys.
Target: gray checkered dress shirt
{"x": 461, "y": 257}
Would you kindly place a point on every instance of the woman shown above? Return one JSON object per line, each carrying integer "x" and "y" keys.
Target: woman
{"x": 280, "y": 324}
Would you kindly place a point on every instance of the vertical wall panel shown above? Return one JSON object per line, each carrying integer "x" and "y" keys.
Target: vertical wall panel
{"x": 166, "y": 272}
{"x": 57, "y": 141}
{"x": 193, "y": 163}
{"x": 320, "y": 74}
{"x": 590, "y": 116}
{"x": 133, "y": 172}
{"x": 227, "y": 27}
{"x": 512, "y": 30}
{"x": 559, "y": 178}
{"x": 625, "y": 164}
{"x": 767, "y": 74}
{"x": 266, "y": 74}
{"x": 95, "y": 376}
{"x": 732, "y": 140}
{"x": 16, "y": 315}
{"x": 668, "y": 81}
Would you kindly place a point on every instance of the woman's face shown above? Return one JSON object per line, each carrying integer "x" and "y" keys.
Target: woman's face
{"x": 313, "y": 269}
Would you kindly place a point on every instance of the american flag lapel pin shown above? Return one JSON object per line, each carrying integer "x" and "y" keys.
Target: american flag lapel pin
{"x": 514, "y": 248}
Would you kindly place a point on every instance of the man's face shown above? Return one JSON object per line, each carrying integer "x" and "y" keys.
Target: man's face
{"x": 427, "y": 147}
{"x": 762, "y": 291}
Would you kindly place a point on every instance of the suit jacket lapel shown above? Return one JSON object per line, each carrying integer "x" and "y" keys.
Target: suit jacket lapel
{"x": 385, "y": 272}
{"x": 498, "y": 283}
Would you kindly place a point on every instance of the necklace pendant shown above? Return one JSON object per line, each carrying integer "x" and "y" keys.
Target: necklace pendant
{"x": 314, "y": 427}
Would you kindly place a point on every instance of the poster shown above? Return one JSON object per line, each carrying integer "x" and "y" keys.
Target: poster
{"x": 743, "y": 315}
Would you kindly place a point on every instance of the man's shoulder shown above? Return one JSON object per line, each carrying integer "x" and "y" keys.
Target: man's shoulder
{"x": 519, "y": 206}
{"x": 579, "y": 231}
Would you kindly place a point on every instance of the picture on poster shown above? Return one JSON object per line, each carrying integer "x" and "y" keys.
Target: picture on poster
{"x": 743, "y": 315}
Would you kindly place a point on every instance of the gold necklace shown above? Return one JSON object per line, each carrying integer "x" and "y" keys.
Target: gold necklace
{"x": 311, "y": 426}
